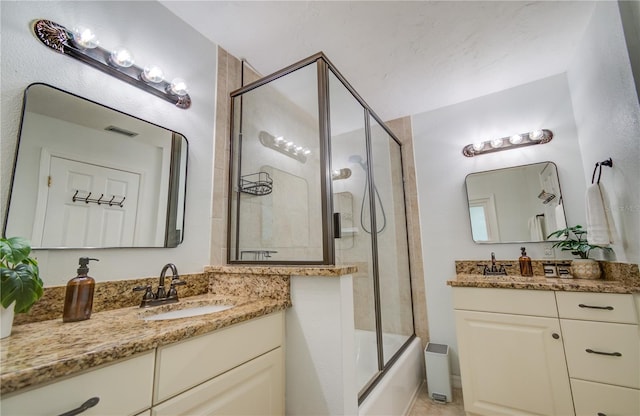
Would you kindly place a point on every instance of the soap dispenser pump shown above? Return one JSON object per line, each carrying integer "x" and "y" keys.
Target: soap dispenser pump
{"x": 525, "y": 263}
{"x": 78, "y": 300}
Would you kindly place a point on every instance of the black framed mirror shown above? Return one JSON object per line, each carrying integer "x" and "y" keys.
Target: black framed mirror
{"x": 515, "y": 204}
{"x": 89, "y": 176}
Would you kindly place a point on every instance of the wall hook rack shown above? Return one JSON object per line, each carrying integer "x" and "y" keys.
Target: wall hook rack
{"x": 102, "y": 200}
{"x": 61, "y": 40}
{"x": 598, "y": 168}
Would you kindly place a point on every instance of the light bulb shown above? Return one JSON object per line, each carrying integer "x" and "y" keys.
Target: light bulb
{"x": 84, "y": 37}
{"x": 306, "y": 152}
{"x": 122, "y": 57}
{"x": 288, "y": 145}
{"x": 478, "y": 146}
{"x": 515, "y": 139}
{"x": 152, "y": 74}
{"x": 495, "y": 143}
{"x": 536, "y": 135}
{"x": 278, "y": 139}
{"x": 178, "y": 87}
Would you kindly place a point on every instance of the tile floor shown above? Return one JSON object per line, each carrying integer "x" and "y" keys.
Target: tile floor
{"x": 424, "y": 406}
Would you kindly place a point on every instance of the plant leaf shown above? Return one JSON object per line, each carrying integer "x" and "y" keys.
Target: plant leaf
{"x": 21, "y": 284}
{"x": 15, "y": 250}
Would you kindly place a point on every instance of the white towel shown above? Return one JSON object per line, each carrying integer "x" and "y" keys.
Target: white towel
{"x": 535, "y": 228}
{"x": 599, "y": 227}
{"x": 561, "y": 222}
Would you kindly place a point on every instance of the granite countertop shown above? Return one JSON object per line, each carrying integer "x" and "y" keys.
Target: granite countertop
{"x": 41, "y": 351}
{"x": 543, "y": 283}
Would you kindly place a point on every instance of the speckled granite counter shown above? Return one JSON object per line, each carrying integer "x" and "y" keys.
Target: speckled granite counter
{"x": 617, "y": 278}
{"x": 43, "y": 348}
{"x": 328, "y": 271}
{"x": 542, "y": 283}
{"x": 42, "y": 351}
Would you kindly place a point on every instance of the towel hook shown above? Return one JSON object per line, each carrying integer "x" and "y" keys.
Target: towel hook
{"x": 598, "y": 168}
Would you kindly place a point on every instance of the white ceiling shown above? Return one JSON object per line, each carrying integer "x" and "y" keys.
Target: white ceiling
{"x": 403, "y": 57}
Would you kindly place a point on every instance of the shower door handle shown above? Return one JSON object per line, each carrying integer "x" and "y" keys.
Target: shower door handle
{"x": 337, "y": 225}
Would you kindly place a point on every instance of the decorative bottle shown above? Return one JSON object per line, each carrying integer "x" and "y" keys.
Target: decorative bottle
{"x": 525, "y": 264}
{"x": 78, "y": 300}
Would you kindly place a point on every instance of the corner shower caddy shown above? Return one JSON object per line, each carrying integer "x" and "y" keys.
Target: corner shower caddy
{"x": 258, "y": 184}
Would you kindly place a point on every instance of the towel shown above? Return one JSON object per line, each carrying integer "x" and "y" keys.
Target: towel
{"x": 599, "y": 222}
{"x": 535, "y": 228}
{"x": 561, "y": 222}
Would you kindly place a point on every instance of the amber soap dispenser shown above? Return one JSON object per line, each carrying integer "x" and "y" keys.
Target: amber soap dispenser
{"x": 78, "y": 300}
{"x": 525, "y": 263}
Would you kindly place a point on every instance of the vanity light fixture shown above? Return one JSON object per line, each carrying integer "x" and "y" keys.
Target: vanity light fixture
{"x": 82, "y": 44}
{"x": 284, "y": 146}
{"x": 506, "y": 143}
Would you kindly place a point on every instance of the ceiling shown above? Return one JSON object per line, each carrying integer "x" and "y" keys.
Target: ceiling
{"x": 403, "y": 57}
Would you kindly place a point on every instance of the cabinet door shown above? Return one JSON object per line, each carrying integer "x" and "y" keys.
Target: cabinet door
{"x": 512, "y": 364}
{"x": 254, "y": 388}
{"x": 123, "y": 388}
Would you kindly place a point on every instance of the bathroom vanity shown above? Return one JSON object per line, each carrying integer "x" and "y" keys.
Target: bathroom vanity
{"x": 548, "y": 346}
{"x": 231, "y": 362}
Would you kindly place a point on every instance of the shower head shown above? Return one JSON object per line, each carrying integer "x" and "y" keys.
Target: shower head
{"x": 358, "y": 159}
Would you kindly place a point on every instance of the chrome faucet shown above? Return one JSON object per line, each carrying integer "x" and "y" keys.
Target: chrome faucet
{"x": 161, "y": 297}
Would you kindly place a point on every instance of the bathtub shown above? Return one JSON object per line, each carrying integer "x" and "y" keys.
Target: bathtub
{"x": 394, "y": 394}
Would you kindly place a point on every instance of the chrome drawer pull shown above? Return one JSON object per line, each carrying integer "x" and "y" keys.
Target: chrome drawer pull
{"x": 608, "y": 308}
{"x": 613, "y": 354}
{"x": 84, "y": 406}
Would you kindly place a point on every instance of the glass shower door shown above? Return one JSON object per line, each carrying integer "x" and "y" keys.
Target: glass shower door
{"x": 391, "y": 240}
{"x": 351, "y": 202}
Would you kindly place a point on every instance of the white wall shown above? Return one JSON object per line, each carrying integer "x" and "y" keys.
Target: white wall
{"x": 439, "y": 137}
{"x": 605, "y": 103}
{"x": 155, "y": 36}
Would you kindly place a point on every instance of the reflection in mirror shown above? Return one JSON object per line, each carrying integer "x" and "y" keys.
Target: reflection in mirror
{"x": 88, "y": 176}
{"x": 517, "y": 204}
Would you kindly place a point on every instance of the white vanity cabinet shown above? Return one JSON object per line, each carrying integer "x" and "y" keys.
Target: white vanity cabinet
{"x": 235, "y": 371}
{"x": 602, "y": 343}
{"x": 548, "y": 353}
{"x": 124, "y": 388}
{"x": 511, "y": 353}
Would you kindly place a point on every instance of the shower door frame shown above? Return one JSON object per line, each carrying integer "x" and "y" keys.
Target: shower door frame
{"x": 324, "y": 66}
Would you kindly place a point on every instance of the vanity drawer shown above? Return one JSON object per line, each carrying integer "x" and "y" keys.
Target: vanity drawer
{"x": 592, "y": 399}
{"x": 123, "y": 388}
{"x": 511, "y": 301}
{"x": 603, "y": 352}
{"x": 604, "y": 307}
{"x": 186, "y": 364}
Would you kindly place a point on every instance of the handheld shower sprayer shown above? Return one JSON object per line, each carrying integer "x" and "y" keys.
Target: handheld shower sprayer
{"x": 363, "y": 164}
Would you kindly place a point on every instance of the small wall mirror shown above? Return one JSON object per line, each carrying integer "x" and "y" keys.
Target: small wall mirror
{"x": 88, "y": 176}
{"x": 516, "y": 204}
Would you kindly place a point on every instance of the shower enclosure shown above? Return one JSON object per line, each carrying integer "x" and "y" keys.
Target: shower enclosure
{"x": 316, "y": 178}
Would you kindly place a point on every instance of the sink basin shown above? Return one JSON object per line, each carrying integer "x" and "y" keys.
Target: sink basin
{"x": 188, "y": 312}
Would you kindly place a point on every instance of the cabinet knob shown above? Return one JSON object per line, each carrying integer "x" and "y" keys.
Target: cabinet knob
{"x": 84, "y": 406}
{"x": 555, "y": 335}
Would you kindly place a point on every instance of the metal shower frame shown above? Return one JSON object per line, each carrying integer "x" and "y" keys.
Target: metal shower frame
{"x": 324, "y": 66}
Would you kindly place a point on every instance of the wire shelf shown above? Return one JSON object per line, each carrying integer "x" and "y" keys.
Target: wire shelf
{"x": 256, "y": 184}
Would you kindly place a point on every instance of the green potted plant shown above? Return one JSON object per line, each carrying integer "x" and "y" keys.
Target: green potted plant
{"x": 20, "y": 283}
{"x": 575, "y": 241}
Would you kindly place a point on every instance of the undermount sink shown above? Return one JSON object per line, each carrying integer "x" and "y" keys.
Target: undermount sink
{"x": 188, "y": 312}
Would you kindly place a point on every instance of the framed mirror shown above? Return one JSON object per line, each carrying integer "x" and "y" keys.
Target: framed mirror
{"x": 89, "y": 176}
{"x": 517, "y": 204}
